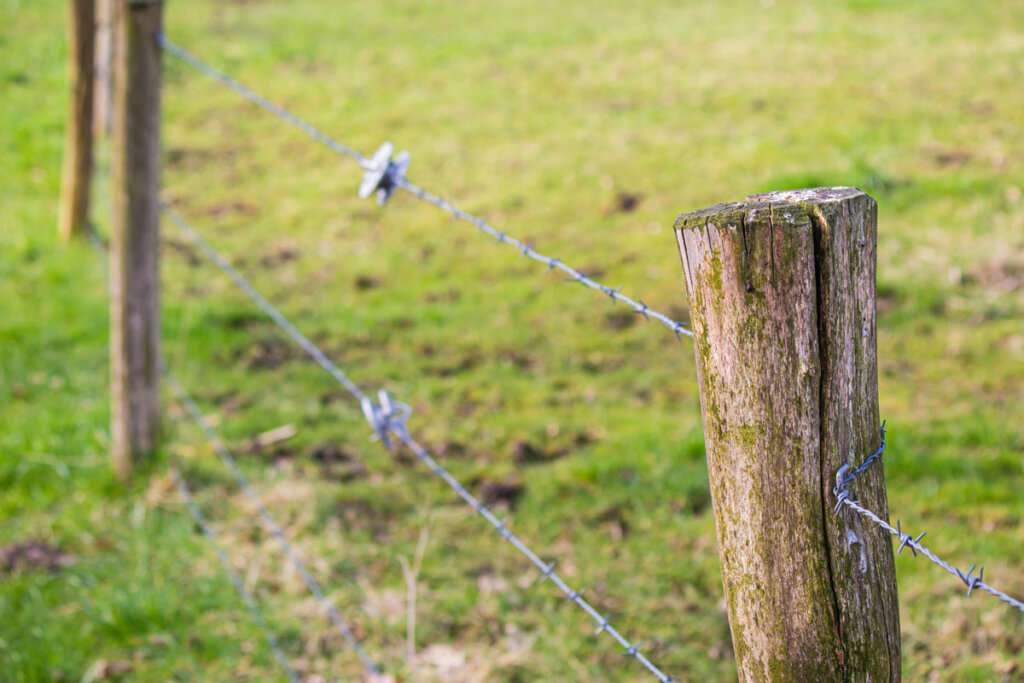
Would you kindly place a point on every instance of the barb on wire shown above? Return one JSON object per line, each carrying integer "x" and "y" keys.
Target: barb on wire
{"x": 225, "y": 456}
{"x": 844, "y": 499}
{"x": 384, "y": 175}
{"x": 236, "y": 580}
{"x": 389, "y": 416}
{"x": 380, "y": 176}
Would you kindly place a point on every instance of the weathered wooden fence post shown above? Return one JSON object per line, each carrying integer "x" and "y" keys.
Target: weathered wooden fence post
{"x": 782, "y": 298}
{"x": 134, "y": 264}
{"x": 76, "y": 176}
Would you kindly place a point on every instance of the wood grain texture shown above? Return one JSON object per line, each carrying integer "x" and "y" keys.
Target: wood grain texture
{"x": 781, "y": 291}
{"x": 76, "y": 175}
{"x": 134, "y": 247}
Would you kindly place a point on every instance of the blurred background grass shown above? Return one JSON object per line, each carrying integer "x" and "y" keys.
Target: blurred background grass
{"x": 584, "y": 128}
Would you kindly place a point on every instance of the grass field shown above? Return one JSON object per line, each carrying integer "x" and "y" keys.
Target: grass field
{"x": 584, "y": 128}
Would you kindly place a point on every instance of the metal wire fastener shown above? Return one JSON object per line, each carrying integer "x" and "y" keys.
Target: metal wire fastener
{"x": 392, "y": 174}
{"x": 632, "y": 650}
{"x": 841, "y": 493}
{"x": 382, "y": 173}
{"x": 972, "y": 581}
{"x": 843, "y": 498}
{"x": 385, "y": 417}
{"x": 906, "y": 540}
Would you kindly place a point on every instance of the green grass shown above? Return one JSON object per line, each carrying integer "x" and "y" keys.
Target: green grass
{"x": 535, "y": 117}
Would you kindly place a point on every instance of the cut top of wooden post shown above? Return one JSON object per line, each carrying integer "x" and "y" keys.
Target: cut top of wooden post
{"x": 782, "y": 299}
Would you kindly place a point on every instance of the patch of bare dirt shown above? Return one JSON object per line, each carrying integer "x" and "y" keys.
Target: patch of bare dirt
{"x": 266, "y": 355}
{"x": 520, "y": 360}
{"x": 620, "y": 319}
{"x": 527, "y": 452}
{"x": 946, "y": 157}
{"x": 364, "y": 282}
{"x": 103, "y": 670}
{"x": 504, "y": 493}
{"x": 232, "y": 208}
{"x": 33, "y": 555}
{"x": 448, "y": 296}
{"x": 625, "y": 202}
{"x": 450, "y": 368}
{"x": 184, "y": 250}
{"x": 1001, "y": 275}
{"x": 615, "y": 520}
{"x": 337, "y": 463}
{"x": 279, "y": 254}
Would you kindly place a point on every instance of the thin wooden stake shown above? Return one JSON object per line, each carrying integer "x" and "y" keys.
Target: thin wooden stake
{"x": 782, "y": 298}
{"x": 134, "y": 264}
{"x": 73, "y": 213}
{"x": 104, "y": 95}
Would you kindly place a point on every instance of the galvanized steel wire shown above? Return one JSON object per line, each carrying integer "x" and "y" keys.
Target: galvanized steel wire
{"x": 383, "y": 418}
{"x": 844, "y": 499}
{"x": 399, "y": 180}
{"x": 192, "y": 408}
{"x": 236, "y": 580}
{"x": 386, "y": 421}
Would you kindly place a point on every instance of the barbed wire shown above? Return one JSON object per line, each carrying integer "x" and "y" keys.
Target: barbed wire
{"x": 236, "y": 580}
{"x": 844, "y": 499}
{"x": 254, "y": 97}
{"x": 99, "y": 246}
{"x": 388, "y": 174}
{"x": 546, "y": 569}
{"x": 387, "y": 417}
{"x": 192, "y": 408}
{"x": 551, "y": 262}
{"x": 264, "y": 305}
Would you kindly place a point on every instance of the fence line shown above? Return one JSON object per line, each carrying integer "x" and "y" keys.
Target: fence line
{"x": 264, "y": 305}
{"x": 254, "y": 97}
{"x": 387, "y": 417}
{"x": 275, "y": 529}
{"x": 382, "y": 176}
{"x": 843, "y": 498}
{"x": 236, "y": 580}
{"x": 99, "y": 246}
{"x": 388, "y": 174}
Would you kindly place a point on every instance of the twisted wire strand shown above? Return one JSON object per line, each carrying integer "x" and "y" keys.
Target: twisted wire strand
{"x": 309, "y": 347}
{"x": 841, "y": 486}
{"x": 906, "y": 540}
{"x": 844, "y": 498}
{"x": 236, "y": 580}
{"x": 100, "y": 247}
{"x": 398, "y": 428}
{"x": 280, "y": 112}
{"x": 546, "y": 569}
{"x": 551, "y": 262}
{"x": 268, "y": 519}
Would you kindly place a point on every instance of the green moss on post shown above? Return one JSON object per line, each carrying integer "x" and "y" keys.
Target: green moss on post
{"x": 782, "y": 294}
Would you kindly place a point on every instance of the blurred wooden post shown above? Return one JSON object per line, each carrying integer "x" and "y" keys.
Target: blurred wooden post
{"x": 73, "y": 212}
{"x": 782, "y": 297}
{"x": 134, "y": 265}
{"x": 103, "y": 100}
